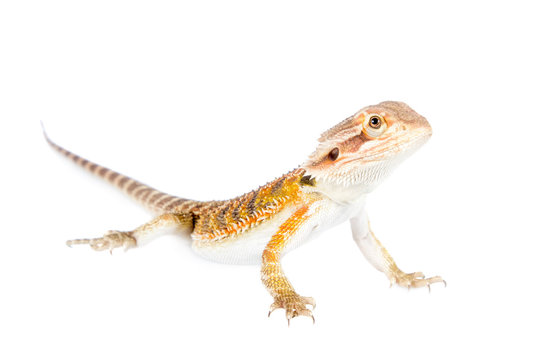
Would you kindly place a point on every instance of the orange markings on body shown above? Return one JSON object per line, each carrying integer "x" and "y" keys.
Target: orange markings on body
{"x": 231, "y": 217}
{"x": 280, "y": 238}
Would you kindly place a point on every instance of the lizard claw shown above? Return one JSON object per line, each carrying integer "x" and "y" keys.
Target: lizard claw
{"x": 294, "y": 306}
{"x": 309, "y": 301}
{"x": 273, "y": 307}
{"x": 414, "y": 280}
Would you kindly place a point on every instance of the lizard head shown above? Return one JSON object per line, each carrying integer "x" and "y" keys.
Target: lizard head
{"x": 356, "y": 154}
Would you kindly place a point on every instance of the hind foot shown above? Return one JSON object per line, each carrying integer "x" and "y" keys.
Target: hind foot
{"x": 111, "y": 240}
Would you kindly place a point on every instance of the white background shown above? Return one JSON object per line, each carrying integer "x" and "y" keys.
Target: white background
{"x": 208, "y": 100}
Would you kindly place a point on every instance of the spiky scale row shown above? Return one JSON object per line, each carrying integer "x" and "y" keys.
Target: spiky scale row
{"x": 216, "y": 220}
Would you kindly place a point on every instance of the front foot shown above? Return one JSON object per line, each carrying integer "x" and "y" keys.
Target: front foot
{"x": 413, "y": 280}
{"x": 294, "y": 305}
{"x": 111, "y": 240}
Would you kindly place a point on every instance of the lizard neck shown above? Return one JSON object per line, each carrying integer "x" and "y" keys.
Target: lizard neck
{"x": 347, "y": 186}
{"x": 343, "y": 195}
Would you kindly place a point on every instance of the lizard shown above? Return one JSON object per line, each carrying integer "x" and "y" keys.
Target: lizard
{"x": 261, "y": 226}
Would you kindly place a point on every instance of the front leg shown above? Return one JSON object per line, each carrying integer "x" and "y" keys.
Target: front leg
{"x": 272, "y": 274}
{"x": 379, "y": 257}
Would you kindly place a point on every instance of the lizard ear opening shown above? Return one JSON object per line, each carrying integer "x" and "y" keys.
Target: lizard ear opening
{"x": 333, "y": 154}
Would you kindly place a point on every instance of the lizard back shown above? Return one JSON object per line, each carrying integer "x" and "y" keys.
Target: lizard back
{"x": 217, "y": 220}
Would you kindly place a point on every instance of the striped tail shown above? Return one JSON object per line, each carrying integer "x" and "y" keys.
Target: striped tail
{"x": 151, "y": 198}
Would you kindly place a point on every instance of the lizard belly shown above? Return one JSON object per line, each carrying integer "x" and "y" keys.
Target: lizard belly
{"x": 247, "y": 248}
{"x": 242, "y": 249}
{"x": 326, "y": 214}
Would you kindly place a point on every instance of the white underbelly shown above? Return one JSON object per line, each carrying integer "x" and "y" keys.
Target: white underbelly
{"x": 243, "y": 249}
{"x": 247, "y": 248}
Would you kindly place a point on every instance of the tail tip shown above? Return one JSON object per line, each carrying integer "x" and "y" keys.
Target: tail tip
{"x": 44, "y": 132}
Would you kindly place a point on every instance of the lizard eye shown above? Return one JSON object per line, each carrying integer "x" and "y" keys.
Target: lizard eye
{"x": 375, "y": 122}
{"x": 333, "y": 155}
{"x": 374, "y": 125}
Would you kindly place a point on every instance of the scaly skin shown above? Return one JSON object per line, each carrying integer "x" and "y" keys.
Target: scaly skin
{"x": 272, "y": 275}
{"x": 352, "y": 158}
{"x": 217, "y": 220}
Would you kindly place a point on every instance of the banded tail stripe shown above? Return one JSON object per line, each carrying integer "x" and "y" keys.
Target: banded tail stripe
{"x": 148, "y": 196}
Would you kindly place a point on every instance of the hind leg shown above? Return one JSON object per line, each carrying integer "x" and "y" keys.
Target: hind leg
{"x": 141, "y": 235}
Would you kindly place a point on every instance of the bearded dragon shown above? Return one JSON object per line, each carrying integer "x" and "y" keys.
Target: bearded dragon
{"x": 259, "y": 227}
